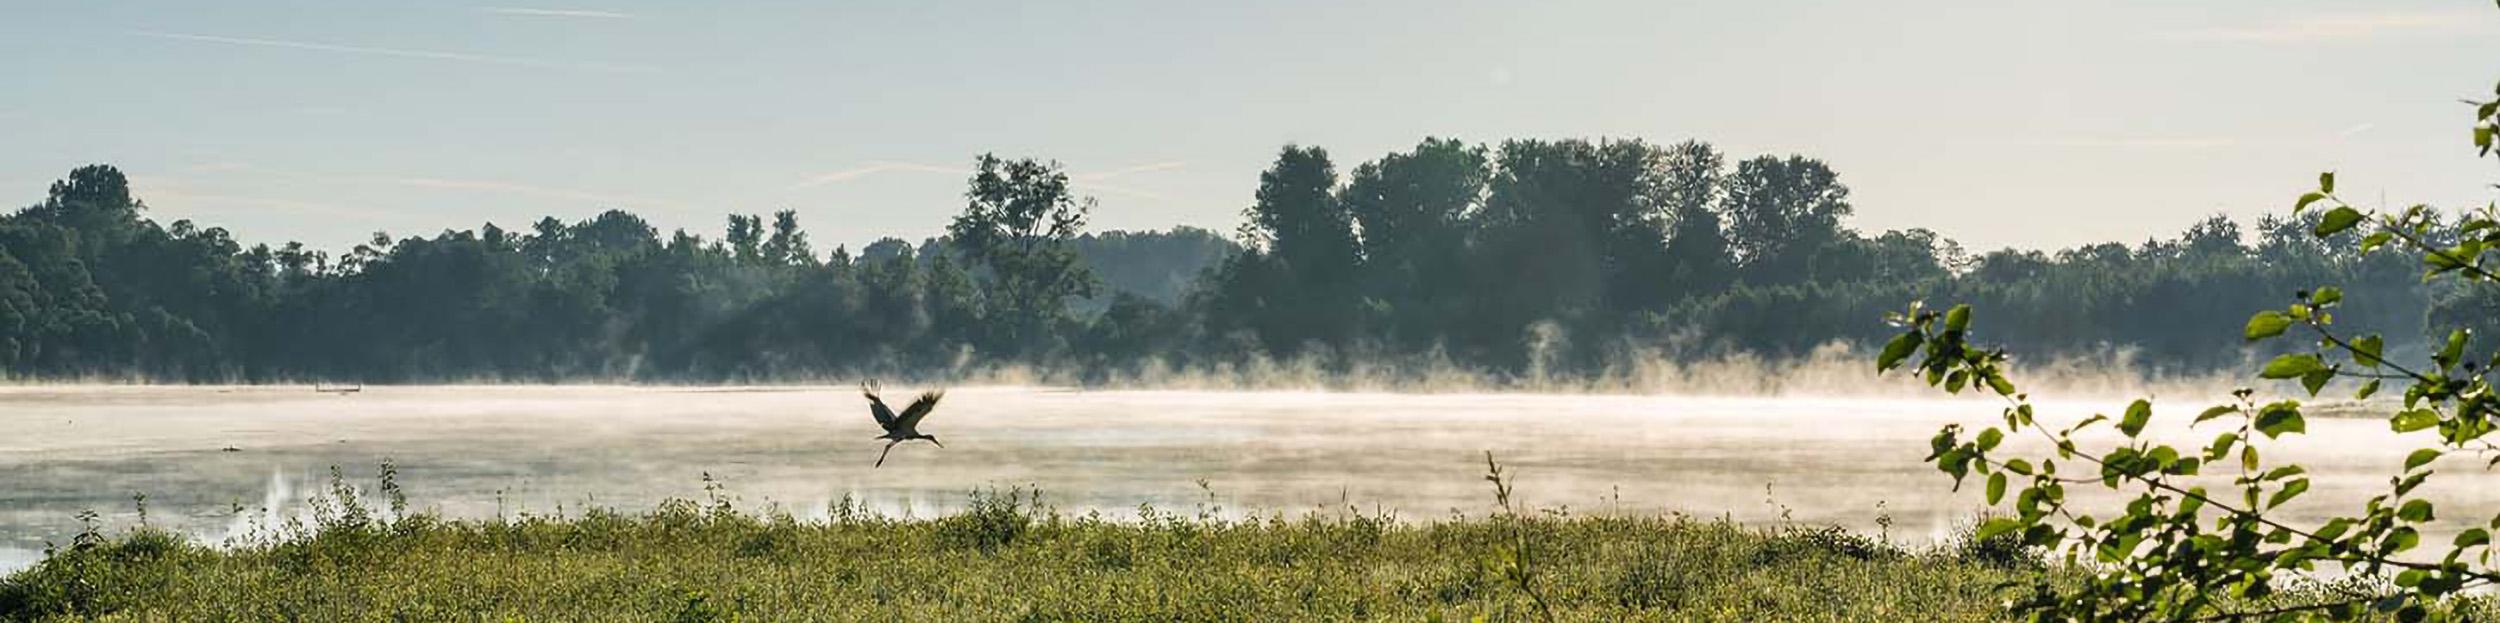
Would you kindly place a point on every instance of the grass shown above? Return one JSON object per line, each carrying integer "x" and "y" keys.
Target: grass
{"x": 1009, "y": 557}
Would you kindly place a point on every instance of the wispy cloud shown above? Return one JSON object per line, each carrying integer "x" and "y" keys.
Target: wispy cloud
{"x": 1120, "y": 190}
{"x": 446, "y": 183}
{"x": 2137, "y": 142}
{"x": 2341, "y": 26}
{"x": 2355, "y": 129}
{"x": 186, "y": 200}
{"x": 527, "y": 190}
{"x": 1143, "y": 168}
{"x": 873, "y": 168}
{"x": 596, "y": 14}
{"x": 463, "y": 57}
{"x": 1083, "y": 181}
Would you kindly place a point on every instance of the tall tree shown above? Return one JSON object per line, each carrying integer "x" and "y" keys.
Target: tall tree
{"x": 1697, "y": 245}
{"x": 1017, "y": 221}
{"x": 1415, "y": 210}
{"x": 1781, "y": 213}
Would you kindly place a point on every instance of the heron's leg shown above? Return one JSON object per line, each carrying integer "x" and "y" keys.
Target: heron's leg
{"x": 889, "y": 449}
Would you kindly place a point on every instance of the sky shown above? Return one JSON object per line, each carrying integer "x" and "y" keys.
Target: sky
{"x": 2028, "y": 124}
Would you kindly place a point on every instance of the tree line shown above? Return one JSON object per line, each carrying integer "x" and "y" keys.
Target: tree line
{"x": 1528, "y": 256}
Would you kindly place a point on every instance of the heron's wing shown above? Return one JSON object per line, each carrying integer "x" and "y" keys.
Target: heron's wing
{"x": 876, "y": 407}
{"x": 920, "y": 409}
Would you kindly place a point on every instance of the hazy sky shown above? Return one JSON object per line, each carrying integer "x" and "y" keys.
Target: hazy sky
{"x": 1997, "y": 123}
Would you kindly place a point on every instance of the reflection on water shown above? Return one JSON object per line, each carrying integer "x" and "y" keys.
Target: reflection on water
{"x": 484, "y": 451}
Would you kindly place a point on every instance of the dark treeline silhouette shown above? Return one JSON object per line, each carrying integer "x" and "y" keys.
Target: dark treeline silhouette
{"x": 1559, "y": 257}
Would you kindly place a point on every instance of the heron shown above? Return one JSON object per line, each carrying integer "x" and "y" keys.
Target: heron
{"x": 900, "y": 428}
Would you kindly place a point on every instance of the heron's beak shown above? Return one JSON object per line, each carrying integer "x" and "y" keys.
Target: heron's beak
{"x": 934, "y": 440}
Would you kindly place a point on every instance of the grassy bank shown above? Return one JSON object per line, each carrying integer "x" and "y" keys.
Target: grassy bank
{"x": 1005, "y": 559}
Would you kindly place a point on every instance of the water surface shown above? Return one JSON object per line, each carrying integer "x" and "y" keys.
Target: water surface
{"x": 477, "y": 451}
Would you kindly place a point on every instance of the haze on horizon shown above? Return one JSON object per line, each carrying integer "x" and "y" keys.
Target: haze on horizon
{"x": 1996, "y": 124}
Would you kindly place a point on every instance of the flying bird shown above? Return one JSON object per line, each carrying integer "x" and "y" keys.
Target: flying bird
{"x": 900, "y": 428}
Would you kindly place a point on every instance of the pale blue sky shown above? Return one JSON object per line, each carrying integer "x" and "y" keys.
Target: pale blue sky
{"x": 2038, "y": 124}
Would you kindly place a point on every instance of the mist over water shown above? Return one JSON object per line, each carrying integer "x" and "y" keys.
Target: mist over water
{"x": 484, "y": 451}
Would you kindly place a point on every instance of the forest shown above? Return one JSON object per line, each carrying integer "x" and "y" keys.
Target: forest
{"x": 1547, "y": 257}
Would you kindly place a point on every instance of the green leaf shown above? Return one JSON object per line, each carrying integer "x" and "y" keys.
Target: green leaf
{"x": 1958, "y": 319}
{"x": 2413, "y": 420}
{"x": 2278, "y": 418}
{"x": 1898, "y": 349}
{"x": 2473, "y": 537}
{"x": 2305, "y": 200}
{"x": 2216, "y": 412}
{"x": 2416, "y": 511}
{"x": 2326, "y": 182}
{"x": 2001, "y": 385}
{"x": 2373, "y": 241}
{"x": 2137, "y": 415}
{"x": 2327, "y": 295}
{"x": 2291, "y": 366}
{"x": 1997, "y": 526}
{"x": 2337, "y": 220}
{"x": 1996, "y": 487}
{"x": 1988, "y": 439}
{"x": 2366, "y": 390}
{"x": 2448, "y": 355}
{"x": 2265, "y": 324}
{"x": 2366, "y": 351}
{"x": 2290, "y": 490}
{"x": 2316, "y": 379}
{"x": 2420, "y": 458}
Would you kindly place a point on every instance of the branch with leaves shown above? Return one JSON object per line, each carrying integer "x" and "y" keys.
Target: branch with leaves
{"x": 2177, "y": 551}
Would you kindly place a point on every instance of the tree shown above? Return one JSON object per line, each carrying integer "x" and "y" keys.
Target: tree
{"x": 2158, "y": 559}
{"x": 1416, "y": 212}
{"x": 1293, "y": 286}
{"x": 788, "y": 245}
{"x": 1298, "y": 220}
{"x": 1781, "y": 213}
{"x": 1697, "y": 244}
{"x": 1017, "y": 221}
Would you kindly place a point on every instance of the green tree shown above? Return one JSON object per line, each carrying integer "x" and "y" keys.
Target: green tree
{"x": 1782, "y": 213}
{"x": 1017, "y": 222}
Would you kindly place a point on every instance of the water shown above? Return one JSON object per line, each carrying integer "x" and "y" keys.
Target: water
{"x": 481, "y": 451}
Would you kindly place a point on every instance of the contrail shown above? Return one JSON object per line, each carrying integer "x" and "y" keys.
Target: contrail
{"x": 370, "y": 51}
{"x": 557, "y": 12}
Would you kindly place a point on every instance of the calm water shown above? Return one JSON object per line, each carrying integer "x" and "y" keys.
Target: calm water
{"x": 477, "y": 451}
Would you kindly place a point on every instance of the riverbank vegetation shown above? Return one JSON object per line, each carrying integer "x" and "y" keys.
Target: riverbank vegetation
{"x": 1010, "y": 557}
{"x": 1526, "y": 259}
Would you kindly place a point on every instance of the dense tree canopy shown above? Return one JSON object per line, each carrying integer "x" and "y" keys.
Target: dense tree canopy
{"x": 1526, "y": 256}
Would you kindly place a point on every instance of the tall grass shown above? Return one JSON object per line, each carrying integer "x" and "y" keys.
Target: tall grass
{"x": 1008, "y": 556}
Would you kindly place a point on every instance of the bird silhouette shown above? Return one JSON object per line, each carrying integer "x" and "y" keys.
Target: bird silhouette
{"x": 900, "y": 428}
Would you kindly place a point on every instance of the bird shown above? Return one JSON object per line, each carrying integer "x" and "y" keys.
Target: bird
{"x": 900, "y": 428}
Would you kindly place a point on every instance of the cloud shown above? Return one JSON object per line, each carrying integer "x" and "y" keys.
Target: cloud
{"x": 557, "y": 12}
{"x": 528, "y": 190}
{"x": 463, "y": 57}
{"x": 872, "y": 169}
{"x": 1085, "y": 181}
{"x": 188, "y": 201}
{"x": 1143, "y": 168}
{"x": 2139, "y": 142}
{"x": 2340, "y": 26}
{"x": 441, "y": 183}
{"x": 1120, "y": 190}
{"x": 2355, "y": 129}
